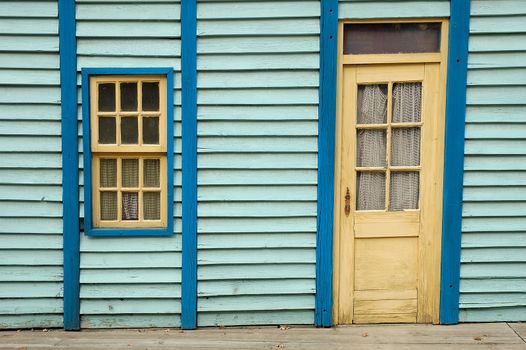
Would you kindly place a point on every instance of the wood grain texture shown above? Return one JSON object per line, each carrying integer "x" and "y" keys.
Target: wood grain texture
{"x": 382, "y": 337}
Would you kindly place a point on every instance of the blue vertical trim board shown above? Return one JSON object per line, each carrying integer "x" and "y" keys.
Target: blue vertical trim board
{"x": 189, "y": 162}
{"x": 70, "y": 172}
{"x": 326, "y": 134}
{"x": 89, "y": 230}
{"x": 454, "y": 160}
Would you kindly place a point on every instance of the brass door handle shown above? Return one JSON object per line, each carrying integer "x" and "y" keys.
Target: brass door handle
{"x": 347, "y": 202}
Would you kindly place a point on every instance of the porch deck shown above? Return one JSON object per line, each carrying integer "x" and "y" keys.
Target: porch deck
{"x": 401, "y": 337}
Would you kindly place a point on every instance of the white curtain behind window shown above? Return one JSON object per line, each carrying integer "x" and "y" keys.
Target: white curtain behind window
{"x": 371, "y": 147}
{"x": 405, "y": 145}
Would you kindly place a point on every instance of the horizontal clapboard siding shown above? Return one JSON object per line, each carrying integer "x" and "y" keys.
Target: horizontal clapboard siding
{"x": 351, "y": 9}
{"x": 257, "y": 161}
{"x": 31, "y": 278}
{"x": 493, "y": 262}
{"x": 132, "y": 282}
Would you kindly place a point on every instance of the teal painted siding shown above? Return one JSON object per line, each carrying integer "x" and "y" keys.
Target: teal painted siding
{"x": 31, "y": 277}
{"x": 257, "y": 83}
{"x": 353, "y": 9}
{"x": 258, "y": 79}
{"x": 132, "y": 282}
{"x": 493, "y": 277}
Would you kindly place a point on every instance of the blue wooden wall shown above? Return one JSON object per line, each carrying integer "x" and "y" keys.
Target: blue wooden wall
{"x": 258, "y": 79}
{"x": 130, "y": 281}
{"x": 30, "y": 166}
{"x": 493, "y": 270}
{"x": 354, "y": 9}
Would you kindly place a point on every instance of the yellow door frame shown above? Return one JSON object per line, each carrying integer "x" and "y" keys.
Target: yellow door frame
{"x": 339, "y": 195}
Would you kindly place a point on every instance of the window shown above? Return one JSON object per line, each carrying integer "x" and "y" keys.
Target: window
{"x": 384, "y": 38}
{"x": 388, "y": 146}
{"x": 128, "y": 154}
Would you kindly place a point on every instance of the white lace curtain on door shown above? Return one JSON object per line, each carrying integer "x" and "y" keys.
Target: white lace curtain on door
{"x": 405, "y": 146}
{"x": 372, "y": 109}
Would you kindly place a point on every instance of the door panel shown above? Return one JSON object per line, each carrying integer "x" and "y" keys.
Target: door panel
{"x": 390, "y": 180}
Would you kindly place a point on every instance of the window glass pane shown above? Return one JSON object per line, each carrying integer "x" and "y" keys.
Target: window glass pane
{"x": 371, "y": 148}
{"x": 129, "y": 96}
{"x": 372, "y": 104}
{"x": 407, "y": 102}
{"x": 107, "y": 130}
{"x": 107, "y": 97}
{"x": 108, "y": 173}
{"x": 108, "y": 205}
{"x": 130, "y": 173}
{"x": 152, "y": 205}
{"x": 150, "y": 129}
{"x": 405, "y": 147}
{"x": 404, "y": 190}
{"x": 377, "y": 38}
{"x": 150, "y": 96}
{"x": 129, "y": 130}
{"x": 152, "y": 171}
{"x": 130, "y": 206}
{"x": 370, "y": 191}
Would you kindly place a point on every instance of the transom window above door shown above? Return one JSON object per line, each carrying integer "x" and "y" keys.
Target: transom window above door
{"x": 388, "y": 129}
{"x": 391, "y": 38}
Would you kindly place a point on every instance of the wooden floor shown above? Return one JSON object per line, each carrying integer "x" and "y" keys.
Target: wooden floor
{"x": 399, "y": 337}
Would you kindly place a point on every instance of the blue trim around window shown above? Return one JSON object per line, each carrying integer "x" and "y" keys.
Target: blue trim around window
{"x": 89, "y": 230}
{"x": 454, "y": 160}
{"x": 189, "y": 163}
{"x": 70, "y": 168}
{"x": 326, "y": 133}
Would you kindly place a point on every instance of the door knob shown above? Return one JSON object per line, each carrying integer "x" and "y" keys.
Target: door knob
{"x": 347, "y": 202}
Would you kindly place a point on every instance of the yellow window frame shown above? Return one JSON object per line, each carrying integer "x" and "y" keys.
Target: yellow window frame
{"x": 120, "y": 151}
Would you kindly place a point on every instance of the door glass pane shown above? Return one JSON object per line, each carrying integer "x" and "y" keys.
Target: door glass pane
{"x": 150, "y": 129}
{"x": 107, "y": 97}
{"x": 108, "y": 205}
{"x": 407, "y": 102}
{"x": 405, "y": 147}
{"x": 130, "y": 173}
{"x": 108, "y": 173}
{"x": 372, "y": 104}
{"x": 152, "y": 205}
{"x": 150, "y": 96}
{"x": 371, "y": 148}
{"x": 370, "y": 191}
{"x": 404, "y": 190}
{"x": 130, "y": 206}
{"x": 378, "y": 38}
{"x": 107, "y": 130}
{"x": 129, "y": 96}
{"x": 152, "y": 172}
{"x": 129, "y": 130}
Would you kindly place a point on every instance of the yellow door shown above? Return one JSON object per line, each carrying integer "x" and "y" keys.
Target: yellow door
{"x": 390, "y": 189}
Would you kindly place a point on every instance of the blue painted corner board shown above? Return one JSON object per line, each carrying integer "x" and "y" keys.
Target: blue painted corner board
{"x": 454, "y": 160}
{"x": 326, "y": 153}
{"x": 70, "y": 171}
{"x": 189, "y": 162}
